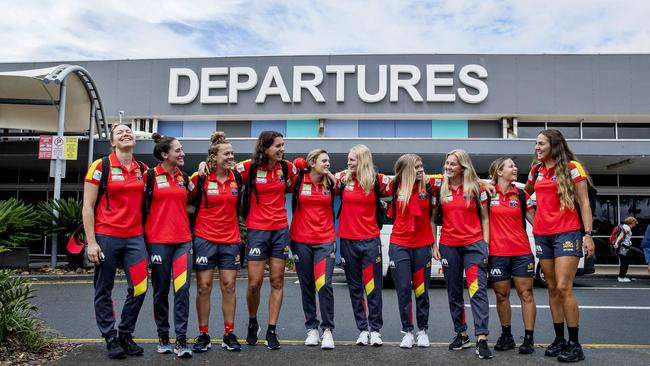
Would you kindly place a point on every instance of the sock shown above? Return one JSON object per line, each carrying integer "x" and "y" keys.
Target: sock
{"x": 228, "y": 327}
{"x": 573, "y": 334}
{"x": 252, "y": 321}
{"x": 505, "y": 329}
{"x": 559, "y": 330}
{"x": 203, "y": 329}
{"x": 271, "y": 329}
{"x": 528, "y": 333}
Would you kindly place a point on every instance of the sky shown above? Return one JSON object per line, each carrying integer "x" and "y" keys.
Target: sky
{"x": 72, "y": 30}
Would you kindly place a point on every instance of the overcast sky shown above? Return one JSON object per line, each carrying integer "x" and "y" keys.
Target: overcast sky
{"x": 67, "y": 30}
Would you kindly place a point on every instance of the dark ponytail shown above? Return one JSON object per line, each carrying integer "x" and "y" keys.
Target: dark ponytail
{"x": 163, "y": 144}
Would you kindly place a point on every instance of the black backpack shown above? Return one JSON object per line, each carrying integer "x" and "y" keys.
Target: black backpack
{"x": 250, "y": 185}
{"x": 380, "y": 215}
{"x": 201, "y": 195}
{"x": 591, "y": 193}
{"x": 297, "y": 187}
{"x": 103, "y": 181}
{"x": 147, "y": 198}
{"x": 477, "y": 202}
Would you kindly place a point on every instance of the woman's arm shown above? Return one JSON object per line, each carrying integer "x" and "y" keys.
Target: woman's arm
{"x": 88, "y": 213}
{"x": 585, "y": 211}
{"x": 530, "y": 215}
{"x": 435, "y": 251}
{"x": 485, "y": 222}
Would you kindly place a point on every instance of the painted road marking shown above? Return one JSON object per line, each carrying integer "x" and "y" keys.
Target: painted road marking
{"x": 584, "y": 307}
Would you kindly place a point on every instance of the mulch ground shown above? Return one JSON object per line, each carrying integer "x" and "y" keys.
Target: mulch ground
{"x": 14, "y": 354}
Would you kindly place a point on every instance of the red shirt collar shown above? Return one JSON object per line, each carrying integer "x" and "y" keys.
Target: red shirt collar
{"x": 212, "y": 177}
{"x": 513, "y": 191}
{"x": 115, "y": 162}
{"x": 160, "y": 170}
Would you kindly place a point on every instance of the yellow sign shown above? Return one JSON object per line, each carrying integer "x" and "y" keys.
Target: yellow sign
{"x": 71, "y": 147}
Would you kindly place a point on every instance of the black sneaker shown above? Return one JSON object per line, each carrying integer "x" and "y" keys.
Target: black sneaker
{"x": 527, "y": 347}
{"x": 128, "y": 345}
{"x": 482, "y": 350}
{"x": 571, "y": 353}
{"x": 202, "y": 343}
{"x": 231, "y": 343}
{"x": 114, "y": 349}
{"x": 253, "y": 332}
{"x": 554, "y": 349}
{"x": 272, "y": 342}
{"x": 505, "y": 342}
{"x": 460, "y": 341}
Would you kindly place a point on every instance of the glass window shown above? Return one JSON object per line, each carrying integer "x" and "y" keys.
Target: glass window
{"x": 529, "y": 130}
{"x": 568, "y": 130}
{"x": 634, "y": 180}
{"x": 605, "y": 214}
{"x": 415, "y": 128}
{"x": 235, "y": 128}
{"x": 376, "y": 128}
{"x": 604, "y": 180}
{"x": 634, "y": 130}
{"x": 639, "y": 207}
{"x": 485, "y": 129}
{"x": 341, "y": 128}
{"x": 598, "y": 131}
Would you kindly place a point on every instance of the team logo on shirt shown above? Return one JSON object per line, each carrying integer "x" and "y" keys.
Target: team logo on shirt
{"x": 422, "y": 196}
{"x": 138, "y": 175}
{"x": 514, "y": 203}
{"x": 234, "y": 191}
{"x": 554, "y": 178}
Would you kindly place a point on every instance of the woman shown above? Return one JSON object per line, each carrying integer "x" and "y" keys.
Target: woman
{"x": 462, "y": 207}
{"x": 510, "y": 256}
{"x": 113, "y": 225}
{"x": 359, "y": 187}
{"x": 217, "y": 239}
{"x": 560, "y": 185}
{"x": 410, "y": 245}
{"x": 624, "y": 248}
{"x": 313, "y": 245}
{"x": 169, "y": 241}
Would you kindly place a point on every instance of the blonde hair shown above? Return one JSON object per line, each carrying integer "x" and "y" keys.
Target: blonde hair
{"x": 365, "y": 172}
{"x": 496, "y": 167}
{"x": 217, "y": 138}
{"x": 470, "y": 178}
{"x": 630, "y": 221}
{"x": 405, "y": 178}
{"x": 312, "y": 157}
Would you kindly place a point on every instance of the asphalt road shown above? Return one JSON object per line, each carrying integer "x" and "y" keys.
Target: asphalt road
{"x": 614, "y": 323}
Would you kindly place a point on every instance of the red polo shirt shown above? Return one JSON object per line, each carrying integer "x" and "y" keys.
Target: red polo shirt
{"x": 125, "y": 188}
{"x": 412, "y": 227}
{"x": 167, "y": 221}
{"x": 313, "y": 222}
{"x": 269, "y": 213}
{"x": 461, "y": 224}
{"x": 549, "y": 218}
{"x": 218, "y": 222}
{"x": 358, "y": 220}
{"x": 507, "y": 236}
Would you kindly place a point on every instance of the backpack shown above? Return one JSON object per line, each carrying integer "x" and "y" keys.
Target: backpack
{"x": 591, "y": 193}
{"x": 477, "y": 202}
{"x": 103, "y": 181}
{"x": 201, "y": 195}
{"x": 295, "y": 198}
{"x": 380, "y": 214}
{"x": 147, "y": 198}
{"x": 250, "y": 185}
{"x": 615, "y": 233}
{"x": 395, "y": 186}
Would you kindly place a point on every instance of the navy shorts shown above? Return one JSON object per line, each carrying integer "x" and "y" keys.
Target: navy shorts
{"x": 208, "y": 255}
{"x": 503, "y": 268}
{"x": 262, "y": 244}
{"x": 559, "y": 245}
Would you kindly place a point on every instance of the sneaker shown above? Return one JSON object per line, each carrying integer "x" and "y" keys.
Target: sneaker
{"x": 312, "y": 337}
{"x": 230, "y": 343}
{"x": 624, "y": 279}
{"x": 182, "y": 350}
{"x": 327, "y": 342}
{"x": 422, "y": 338}
{"x": 164, "y": 347}
{"x": 202, "y": 343}
{"x": 505, "y": 342}
{"x": 253, "y": 332}
{"x": 407, "y": 340}
{"x": 363, "y": 338}
{"x": 527, "y": 347}
{"x": 554, "y": 349}
{"x": 460, "y": 341}
{"x": 571, "y": 353}
{"x": 375, "y": 339}
{"x": 272, "y": 342}
{"x": 128, "y": 345}
{"x": 482, "y": 350}
{"x": 114, "y": 349}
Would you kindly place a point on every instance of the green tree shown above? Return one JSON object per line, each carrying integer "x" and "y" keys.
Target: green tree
{"x": 18, "y": 222}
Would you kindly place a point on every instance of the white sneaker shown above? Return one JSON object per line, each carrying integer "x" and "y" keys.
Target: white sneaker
{"x": 375, "y": 339}
{"x": 327, "y": 342}
{"x": 407, "y": 340}
{"x": 623, "y": 279}
{"x": 363, "y": 338}
{"x": 422, "y": 338}
{"x": 312, "y": 337}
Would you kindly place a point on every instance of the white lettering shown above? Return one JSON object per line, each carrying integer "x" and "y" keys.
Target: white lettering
{"x": 236, "y": 85}
{"x": 406, "y": 84}
{"x": 207, "y": 83}
{"x": 340, "y": 71}
{"x": 361, "y": 84}
{"x": 433, "y": 82}
{"x": 310, "y": 85}
{"x": 174, "y": 75}
{"x": 272, "y": 75}
{"x": 472, "y": 82}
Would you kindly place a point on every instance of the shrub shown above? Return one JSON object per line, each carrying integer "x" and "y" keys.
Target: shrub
{"x": 17, "y": 223}
{"x": 18, "y": 316}
{"x": 68, "y": 220}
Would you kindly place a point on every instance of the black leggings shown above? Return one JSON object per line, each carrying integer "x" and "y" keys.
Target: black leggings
{"x": 624, "y": 260}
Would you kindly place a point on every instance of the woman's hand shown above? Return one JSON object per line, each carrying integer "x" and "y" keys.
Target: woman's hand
{"x": 203, "y": 169}
{"x": 435, "y": 252}
{"x": 588, "y": 246}
{"x": 94, "y": 252}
